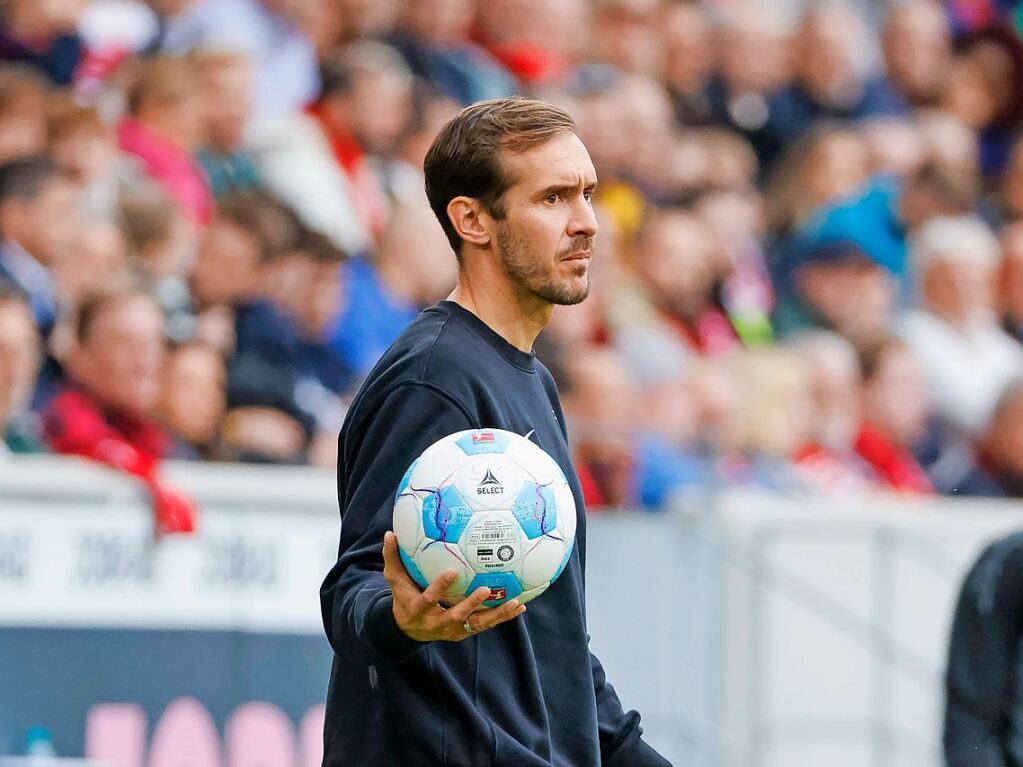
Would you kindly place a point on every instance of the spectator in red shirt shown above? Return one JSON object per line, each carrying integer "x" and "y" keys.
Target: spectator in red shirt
{"x": 105, "y": 414}
{"x": 895, "y": 409}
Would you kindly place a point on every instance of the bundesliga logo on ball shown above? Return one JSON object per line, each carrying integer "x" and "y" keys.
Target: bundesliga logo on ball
{"x": 493, "y": 507}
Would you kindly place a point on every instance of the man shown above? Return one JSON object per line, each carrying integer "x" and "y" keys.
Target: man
{"x": 106, "y": 413}
{"x": 38, "y": 228}
{"x": 967, "y": 359}
{"x": 414, "y": 683}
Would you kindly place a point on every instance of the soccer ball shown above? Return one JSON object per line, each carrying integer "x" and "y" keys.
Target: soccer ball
{"x": 491, "y": 506}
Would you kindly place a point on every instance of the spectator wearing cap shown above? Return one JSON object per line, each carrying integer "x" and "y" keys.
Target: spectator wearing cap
{"x": 20, "y": 357}
{"x": 225, "y": 79}
{"x": 895, "y": 410}
{"x": 881, "y": 215}
{"x": 836, "y": 286}
{"x": 38, "y": 214}
{"x": 43, "y": 36}
{"x": 106, "y": 412}
{"x": 966, "y": 356}
{"x": 164, "y": 128}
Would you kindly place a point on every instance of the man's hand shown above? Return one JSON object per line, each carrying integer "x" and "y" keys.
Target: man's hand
{"x": 418, "y": 613}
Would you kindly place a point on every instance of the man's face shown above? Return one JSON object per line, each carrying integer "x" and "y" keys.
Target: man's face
{"x": 896, "y": 397}
{"x": 120, "y": 360}
{"x": 677, "y": 264}
{"x": 46, "y": 225}
{"x": 227, "y": 268}
{"x": 917, "y": 49}
{"x": 545, "y": 240}
{"x": 228, "y": 95}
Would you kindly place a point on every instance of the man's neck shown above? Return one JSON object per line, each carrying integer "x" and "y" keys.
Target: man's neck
{"x": 516, "y": 316}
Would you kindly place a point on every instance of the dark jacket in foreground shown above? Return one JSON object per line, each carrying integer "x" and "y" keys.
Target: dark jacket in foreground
{"x": 524, "y": 694}
{"x": 984, "y": 711}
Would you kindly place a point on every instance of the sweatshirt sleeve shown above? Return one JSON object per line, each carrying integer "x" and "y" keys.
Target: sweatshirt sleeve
{"x": 355, "y": 599}
{"x": 982, "y": 661}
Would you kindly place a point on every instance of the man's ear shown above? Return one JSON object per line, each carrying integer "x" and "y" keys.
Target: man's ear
{"x": 467, "y": 217}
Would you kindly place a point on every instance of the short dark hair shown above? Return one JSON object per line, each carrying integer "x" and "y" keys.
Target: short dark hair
{"x": 465, "y": 157}
{"x": 273, "y": 224}
{"x": 93, "y": 305}
{"x": 26, "y": 177}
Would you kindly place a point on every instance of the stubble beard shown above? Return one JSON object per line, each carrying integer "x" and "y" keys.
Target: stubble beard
{"x": 535, "y": 275}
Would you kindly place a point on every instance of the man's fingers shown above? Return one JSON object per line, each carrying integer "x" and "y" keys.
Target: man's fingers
{"x": 468, "y": 606}
{"x": 392, "y": 560}
{"x": 497, "y": 615}
{"x": 433, "y": 593}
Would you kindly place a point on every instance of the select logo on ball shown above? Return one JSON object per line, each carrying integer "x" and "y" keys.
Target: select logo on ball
{"x": 489, "y": 485}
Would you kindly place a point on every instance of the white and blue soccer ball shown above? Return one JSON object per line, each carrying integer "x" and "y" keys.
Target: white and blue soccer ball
{"x": 493, "y": 507}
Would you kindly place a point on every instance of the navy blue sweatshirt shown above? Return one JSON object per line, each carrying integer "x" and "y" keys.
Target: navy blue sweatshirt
{"x": 984, "y": 680}
{"x": 525, "y": 693}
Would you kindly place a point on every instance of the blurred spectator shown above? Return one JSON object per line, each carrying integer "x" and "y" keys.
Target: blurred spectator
{"x": 363, "y": 108}
{"x": 22, "y": 112}
{"x": 539, "y": 41}
{"x": 966, "y": 357}
{"x": 917, "y": 46}
{"x": 162, "y": 244}
{"x": 37, "y": 224}
{"x": 600, "y": 409}
{"x": 689, "y": 60}
{"x": 828, "y": 459}
{"x": 1010, "y": 280}
{"x": 268, "y": 32}
{"x": 434, "y": 39}
{"x": 1007, "y": 205}
{"x": 20, "y": 358}
{"x": 752, "y": 40}
{"x": 836, "y": 286}
{"x": 367, "y": 18}
{"x": 164, "y": 127}
{"x": 42, "y": 35}
{"x": 1000, "y": 447}
{"x": 192, "y": 399}
{"x": 826, "y": 164}
{"x": 895, "y": 409}
{"x": 894, "y": 145}
{"x": 225, "y": 81}
{"x": 772, "y": 419}
{"x": 85, "y": 148}
{"x": 623, "y": 35}
{"x": 830, "y": 74}
{"x": 984, "y": 91}
{"x": 881, "y": 216}
{"x": 670, "y": 312}
{"x": 414, "y": 267}
{"x": 106, "y": 413}
{"x": 100, "y": 262}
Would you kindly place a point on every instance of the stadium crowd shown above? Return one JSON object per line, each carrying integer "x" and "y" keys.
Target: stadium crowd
{"x": 809, "y": 275}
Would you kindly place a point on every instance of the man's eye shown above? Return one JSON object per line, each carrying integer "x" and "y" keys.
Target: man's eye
{"x": 588, "y": 195}
{"x": 553, "y": 198}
